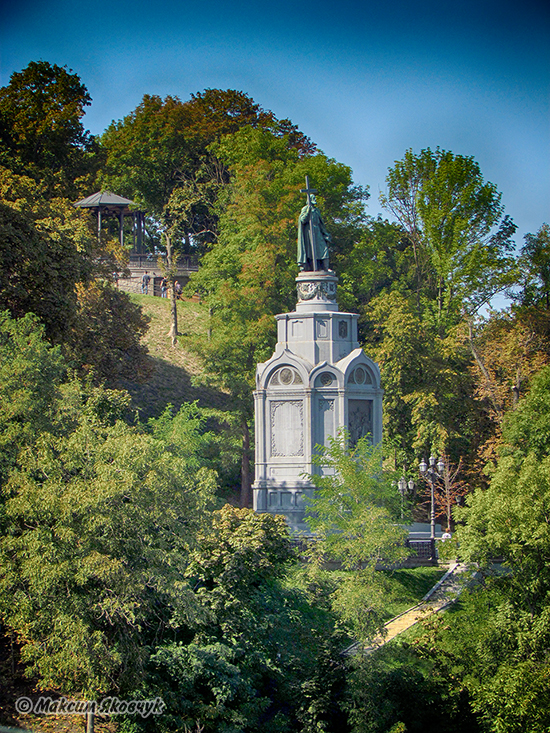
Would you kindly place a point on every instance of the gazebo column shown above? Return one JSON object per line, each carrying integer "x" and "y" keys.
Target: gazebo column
{"x": 121, "y": 227}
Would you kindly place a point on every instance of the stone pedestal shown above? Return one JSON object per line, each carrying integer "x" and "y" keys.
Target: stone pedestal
{"x": 317, "y": 381}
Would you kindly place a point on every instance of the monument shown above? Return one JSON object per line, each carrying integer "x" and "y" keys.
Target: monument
{"x": 318, "y": 381}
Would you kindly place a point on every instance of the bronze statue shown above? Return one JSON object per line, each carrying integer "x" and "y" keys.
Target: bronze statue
{"x": 313, "y": 237}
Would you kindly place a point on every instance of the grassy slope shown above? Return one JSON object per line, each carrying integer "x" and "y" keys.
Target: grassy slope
{"x": 173, "y": 370}
{"x": 410, "y": 585}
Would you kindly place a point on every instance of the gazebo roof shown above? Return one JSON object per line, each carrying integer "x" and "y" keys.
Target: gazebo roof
{"x": 105, "y": 200}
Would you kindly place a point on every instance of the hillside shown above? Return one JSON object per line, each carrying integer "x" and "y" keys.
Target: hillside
{"x": 173, "y": 370}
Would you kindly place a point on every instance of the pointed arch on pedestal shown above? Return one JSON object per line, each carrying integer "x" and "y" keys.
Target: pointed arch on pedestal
{"x": 285, "y": 358}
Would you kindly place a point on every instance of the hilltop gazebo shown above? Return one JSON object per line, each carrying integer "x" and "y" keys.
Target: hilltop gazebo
{"x": 106, "y": 203}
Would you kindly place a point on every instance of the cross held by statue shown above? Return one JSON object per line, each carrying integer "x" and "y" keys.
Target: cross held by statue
{"x": 308, "y": 191}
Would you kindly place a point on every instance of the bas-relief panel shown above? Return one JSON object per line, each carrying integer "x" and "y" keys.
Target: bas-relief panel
{"x": 286, "y": 473}
{"x": 321, "y": 328}
{"x": 287, "y": 428}
{"x": 359, "y": 419}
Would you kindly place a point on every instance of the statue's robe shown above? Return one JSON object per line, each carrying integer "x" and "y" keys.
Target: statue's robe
{"x": 312, "y": 254}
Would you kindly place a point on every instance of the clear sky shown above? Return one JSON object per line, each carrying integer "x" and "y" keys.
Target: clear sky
{"x": 365, "y": 80}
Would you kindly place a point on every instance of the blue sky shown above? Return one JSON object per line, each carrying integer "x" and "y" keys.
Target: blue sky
{"x": 365, "y": 80}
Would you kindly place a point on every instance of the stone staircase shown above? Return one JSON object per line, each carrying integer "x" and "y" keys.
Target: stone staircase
{"x": 442, "y": 595}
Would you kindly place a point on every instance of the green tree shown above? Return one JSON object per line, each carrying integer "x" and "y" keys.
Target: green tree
{"x": 455, "y": 221}
{"x": 535, "y": 268}
{"x": 219, "y": 679}
{"x": 509, "y": 349}
{"x": 159, "y": 156}
{"x": 492, "y": 659}
{"x": 241, "y": 551}
{"x": 263, "y": 658}
{"x": 353, "y": 515}
{"x": 509, "y": 518}
{"x": 31, "y": 371}
{"x": 97, "y": 523}
{"x": 41, "y": 133}
{"x": 105, "y": 338}
{"x": 497, "y": 647}
{"x": 420, "y": 279}
{"x": 45, "y": 249}
{"x": 428, "y": 403}
{"x": 97, "y": 528}
{"x": 248, "y": 274}
{"x": 145, "y": 152}
{"x": 395, "y": 690}
{"x": 377, "y": 259}
{"x": 50, "y": 265}
{"x": 200, "y": 435}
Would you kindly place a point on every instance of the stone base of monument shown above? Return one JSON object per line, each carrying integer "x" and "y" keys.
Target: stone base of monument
{"x": 279, "y": 497}
{"x": 318, "y": 381}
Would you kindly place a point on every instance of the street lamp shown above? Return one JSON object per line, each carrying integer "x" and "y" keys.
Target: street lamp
{"x": 405, "y": 488}
{"x": 431, "y": 473}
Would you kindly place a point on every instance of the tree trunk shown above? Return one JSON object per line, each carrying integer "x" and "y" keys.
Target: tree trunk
{"x": 12, "y": 654}
{"x": 515, "y": 389}
{"x": 174, "y": 312}
{"x": 245, "y": 466}
{"x": 496, "y": 403}
{"x": 170, "y": 277}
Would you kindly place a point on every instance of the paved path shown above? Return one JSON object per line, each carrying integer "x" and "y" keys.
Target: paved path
{"x": 445, "y": 592}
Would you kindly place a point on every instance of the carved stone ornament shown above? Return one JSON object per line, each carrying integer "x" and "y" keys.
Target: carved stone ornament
{"x": 360, "y": 376}
{"x": 326, "y": 379}
{"x": 287, "y": 428}
{"x": 319, "y": 290}
{"x": 285, "y": 377}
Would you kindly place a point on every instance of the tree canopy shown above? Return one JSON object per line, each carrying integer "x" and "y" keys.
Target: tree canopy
{"x": 535, "y": 268}
{"x": 496, "y": 649}
{"x": 118, "y": 571}
{"x": 159, "y": 155}
{"x": 98, "y": 519}
{"x": 460, "y": 237}
{"x": 45, "y": 249}
{"x": 248, "y": 274}
{"x": 353, "y": 516}
{"x": 41, "y": 132}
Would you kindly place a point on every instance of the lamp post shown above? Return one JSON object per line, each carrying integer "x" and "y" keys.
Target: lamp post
{"x": 404, "y": 488}
{"x": 431, "y": 473}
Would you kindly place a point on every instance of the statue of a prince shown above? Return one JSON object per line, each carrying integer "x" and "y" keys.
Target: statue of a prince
{"x": 313, "y": 237}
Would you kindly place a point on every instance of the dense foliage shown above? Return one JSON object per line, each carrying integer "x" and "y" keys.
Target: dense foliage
{"x": 248, "y": 274}
{"x": 41, "y": 133}
{"x": 495, "y": 649}
{"x": 119, "y": 571}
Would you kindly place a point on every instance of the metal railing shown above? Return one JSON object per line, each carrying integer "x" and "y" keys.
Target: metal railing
{"x": 149, "y": 261}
